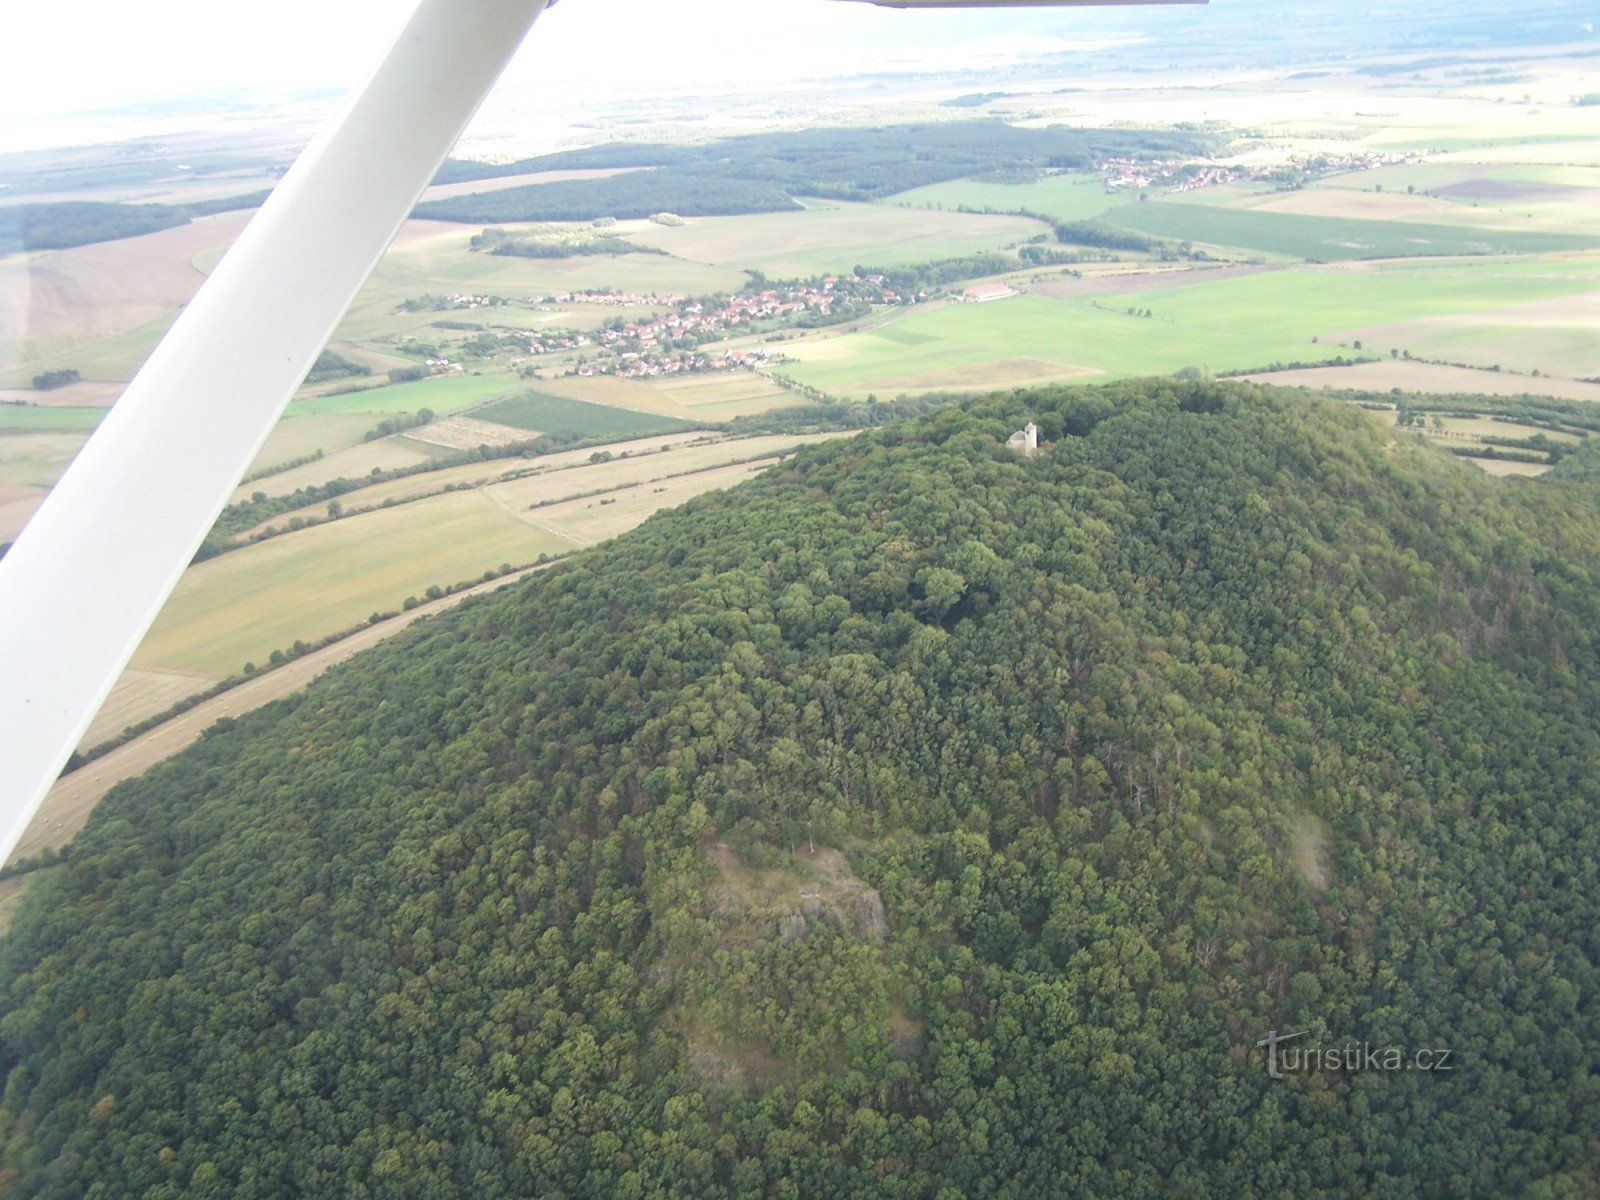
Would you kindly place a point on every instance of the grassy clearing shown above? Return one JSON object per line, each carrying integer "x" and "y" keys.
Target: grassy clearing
{"x": 1227, "y": 324}
{"x": 565, "y": 415}
{"x": 241, "y": 606}
{"x": 1505, "y": 469}
{"x": 1071, "y": 196}
{"x": 1332, "y": 239}
{"x": 443, "y": 394}
{"x": 836, "y": 237}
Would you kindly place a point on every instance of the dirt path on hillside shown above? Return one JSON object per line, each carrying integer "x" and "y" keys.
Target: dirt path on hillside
{"x": 74, "y": 796}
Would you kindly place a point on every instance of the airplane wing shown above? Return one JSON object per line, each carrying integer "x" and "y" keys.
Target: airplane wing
{"x": 89, "y": 574}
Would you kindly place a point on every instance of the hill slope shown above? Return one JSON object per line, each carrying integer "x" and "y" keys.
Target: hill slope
{"x": 916, "y": 820}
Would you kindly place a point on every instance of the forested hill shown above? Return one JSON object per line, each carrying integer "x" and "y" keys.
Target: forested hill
{"x": 763, "y": 172}
{"x": 917, "y": 820}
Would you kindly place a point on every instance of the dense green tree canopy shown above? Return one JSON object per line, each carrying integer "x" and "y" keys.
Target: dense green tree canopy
{"x": 917, "y": 820}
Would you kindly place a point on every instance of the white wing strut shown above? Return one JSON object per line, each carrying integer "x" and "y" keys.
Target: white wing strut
{"x": 92, "y": 569}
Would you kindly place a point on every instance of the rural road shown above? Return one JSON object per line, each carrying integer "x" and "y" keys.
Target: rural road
{"x": 74, "y": 796}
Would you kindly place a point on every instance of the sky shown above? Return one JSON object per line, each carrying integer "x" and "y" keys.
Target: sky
{"x": 161, "y": 49}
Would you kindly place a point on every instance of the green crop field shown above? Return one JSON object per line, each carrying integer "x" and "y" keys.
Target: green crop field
{"x": 241, "y": 606}
{"x": 1070, "y": 196}
{"x": 1226, "y": 324}
{"x": 442, "y": 394}
{"x": 564, "y": 415}
{"x": 27, "y": 418}
{"x": 296, "y": 436}
{"x": 1332, "y": 239}
{"x": 36, "y": 459}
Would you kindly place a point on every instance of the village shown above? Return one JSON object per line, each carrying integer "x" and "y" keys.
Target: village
{"x": 669, "y": 344}
{"x": 1126, "y": 174}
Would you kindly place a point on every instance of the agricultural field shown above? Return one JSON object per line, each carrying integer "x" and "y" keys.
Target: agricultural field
{"x": 1067, "y": 196}
{"x": 714, "y": 396}
{"x": 241, "y": 606}
{"x": 353, "y": 462}
{"x": 1334, "y": 239}
{"x": 433, "y": 258}
{"x": 298, "y": 435}
{"x": 724, "y": 396}
{"x": 1410, "y": 376}
{"x": 306, "y": 585}
{"x": 540, "y": 413}
{"x": 141, "y": 693}
{"x": 442, "y": 394}
{"x": 17, "y": 503}
{"x": 1229, "y": 324}
{"x": 833, "y": 237}
{"x": 36, "y": 459}
{"x": 27, "y": 418}
{"x": 101, "y": 307}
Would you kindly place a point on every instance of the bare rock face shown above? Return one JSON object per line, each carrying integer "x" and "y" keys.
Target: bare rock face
{"x": 870, "y": 919}
{"x": 792, "y": 927}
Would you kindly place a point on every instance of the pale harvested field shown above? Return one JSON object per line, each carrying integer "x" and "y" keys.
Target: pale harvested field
{"x": 1503, "y": 469}
{"x": 72, "y": 799}
{"x": 468, "y": 433}
{"x": 86, "y": 393}
{"x": 345, "y": 455}
{"x": 569, "y": 473}
{"x": 591, "y": 521}
{"x": 472, "y": 187}
{"x": 68, "y": 300}
{"x": 1426, "y": 377}
{"x": 1555, "y": 336}
{"x": 410, "y": 487}
{"x": 1008, "y": 372}
{"x": 834, "y": 238}
{"x": 717, "y": 396}
{"x": 1475, "y": 429}
{"x": 138, "y": 695}
{"x": 17, "y": 506}
{"x": 1346, "y": 202}
{"x": 1131, "y": 282}
{"x": 646, "y": 471}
